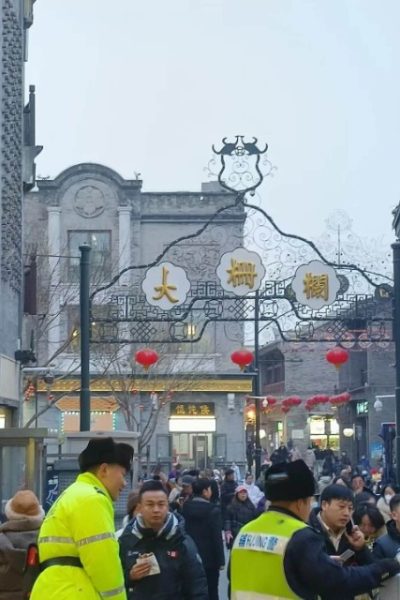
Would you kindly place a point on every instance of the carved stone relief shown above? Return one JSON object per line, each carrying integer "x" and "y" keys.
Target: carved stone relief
{"x": 89, "y": 202}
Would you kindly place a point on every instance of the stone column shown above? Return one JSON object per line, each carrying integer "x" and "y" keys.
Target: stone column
{"x": 124, "y": 248}
{"x": 54, "y": 246}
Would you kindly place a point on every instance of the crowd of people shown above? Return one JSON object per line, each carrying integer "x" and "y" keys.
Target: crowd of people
{"x": 286, "y": 535}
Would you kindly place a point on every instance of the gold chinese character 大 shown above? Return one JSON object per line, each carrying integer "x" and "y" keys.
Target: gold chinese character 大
{"x": 180, "y": 410}
{"x": 242, "y": 273}
{"x": 316, "y": 286}
{"x": 165, "y": 289}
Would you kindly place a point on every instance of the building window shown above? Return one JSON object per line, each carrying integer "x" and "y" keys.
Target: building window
{"x": 100, "y": 256}
{"x": 102, "y": 332}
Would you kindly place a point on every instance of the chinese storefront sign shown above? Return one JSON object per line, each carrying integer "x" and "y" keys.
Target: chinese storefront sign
{"x": 241, "y": 271}
{"x": 183, "y": 409}
{"x": 166, "y": 286}
{"x": 316, "y": 284}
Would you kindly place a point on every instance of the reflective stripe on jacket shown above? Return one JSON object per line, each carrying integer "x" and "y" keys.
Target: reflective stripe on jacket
{"x": 257, "y": 570}
{"x": 81, "y": 524}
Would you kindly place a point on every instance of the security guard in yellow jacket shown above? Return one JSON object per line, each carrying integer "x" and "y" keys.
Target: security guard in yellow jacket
{"x": 279, "y": 557}
{"x": 79, "y": 555}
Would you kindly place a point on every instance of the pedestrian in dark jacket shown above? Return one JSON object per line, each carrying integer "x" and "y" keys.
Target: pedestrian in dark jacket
{"x": 227, "y": 491}
{"x": 388, "y": 546}
{"x": 329, "y": 464}
{"x": 160, "y": 561}
{"x": 240, "y": 511}
{"x": 24, "y": 517}
{"x": 203, "y": 524}
{"x": 333, "y": 521}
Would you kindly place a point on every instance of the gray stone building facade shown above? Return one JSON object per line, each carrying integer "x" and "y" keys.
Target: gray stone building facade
{"x": 18, "y": 150}
{"x": 301, "y": 369}
{"x": 198, "y": 423}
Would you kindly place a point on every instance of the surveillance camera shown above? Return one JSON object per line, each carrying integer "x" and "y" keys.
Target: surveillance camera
{"x": 48, "y": 378}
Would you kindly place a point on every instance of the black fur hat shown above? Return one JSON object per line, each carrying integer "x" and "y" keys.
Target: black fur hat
{"x": 289, "y": 481}
{"x": 105, "y": 450}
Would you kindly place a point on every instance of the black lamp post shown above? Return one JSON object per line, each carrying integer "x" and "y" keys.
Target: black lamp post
{"x": 396, "y": 337}
{"x": 85, "y": 337}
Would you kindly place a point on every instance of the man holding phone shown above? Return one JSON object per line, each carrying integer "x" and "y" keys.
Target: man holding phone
{"x": 279, "y": 556}
{"x": 343, "y": 539}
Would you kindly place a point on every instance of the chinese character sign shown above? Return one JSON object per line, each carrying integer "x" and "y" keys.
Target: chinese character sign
{"x": 241, "y": 272}
{"x": 204, "y": 409}
{"x": 316, "y": 285}
{"x": 166, "y": 286}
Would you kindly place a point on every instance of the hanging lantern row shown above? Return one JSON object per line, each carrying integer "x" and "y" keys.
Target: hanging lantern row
{"x": 337, "y": 356}
{"x": 29, "y": 391}
{"x": 340, "y": 399}
{"x": 293, "y": 401}
{"x": 316, "y": 400}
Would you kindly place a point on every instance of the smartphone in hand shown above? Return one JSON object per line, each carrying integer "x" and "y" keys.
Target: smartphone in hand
{"x": 346, "y": 555}
{"x": 349, "y": 527}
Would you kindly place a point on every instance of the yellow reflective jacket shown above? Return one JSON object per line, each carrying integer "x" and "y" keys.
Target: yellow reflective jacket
{"x": 80, "y": 524}
{"x": 257, "y": 571}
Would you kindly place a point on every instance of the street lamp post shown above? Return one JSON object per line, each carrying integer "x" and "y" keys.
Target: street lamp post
{"x": 396, "y": 337}
{"x": 257, "y": 383}
{"x": 85, "y": 338}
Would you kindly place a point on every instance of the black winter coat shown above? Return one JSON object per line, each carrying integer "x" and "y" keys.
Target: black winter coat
{"x": 238, "y": 514}
{"x": 182, "y": 574}
{"x": 227, "y": 493}
{"x": 204, "y": 525}
{"x": 387, "y": 546}
{"x": 311, "y": 573}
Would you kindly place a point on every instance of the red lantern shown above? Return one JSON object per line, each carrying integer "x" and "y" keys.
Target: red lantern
{"x": 292, "y": 401}
{"x": 271, "y": 400}
{"x": 285, "y": 409}
{"x": 340, "y": 399}
{"x": 337, "y": 356}
{"x": 323, "y": 398}
{"x": 243, "y": 358}
{"x": 146, "y": 357}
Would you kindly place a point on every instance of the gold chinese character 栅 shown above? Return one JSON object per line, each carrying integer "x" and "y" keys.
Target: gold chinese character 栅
{"x": 316, "y": 286}
{"x": 242, "y": 273}
{"x": 165, "y": 289}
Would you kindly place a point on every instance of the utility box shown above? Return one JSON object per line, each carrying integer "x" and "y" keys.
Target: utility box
{"x": 22, "y": 462}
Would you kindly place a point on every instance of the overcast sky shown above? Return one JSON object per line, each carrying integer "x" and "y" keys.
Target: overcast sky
{"x": 148, "y": 86}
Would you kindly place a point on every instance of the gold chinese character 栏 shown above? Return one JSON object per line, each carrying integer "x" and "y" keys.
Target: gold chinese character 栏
{"x": 316, "y": 286}
{"x": 165, "y": 289}
{"x": 242, "y": 273}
